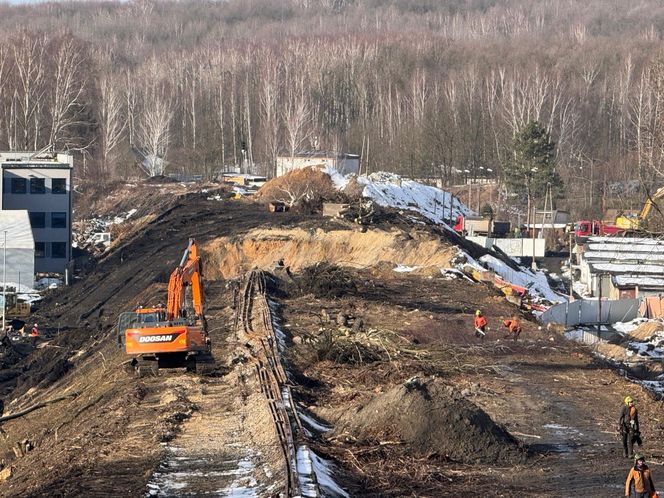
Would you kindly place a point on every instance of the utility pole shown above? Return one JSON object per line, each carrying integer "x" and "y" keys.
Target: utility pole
{"x": 571, "y": 271}
{"x": 4, "y": 280}
{"x": 533, "y": 264}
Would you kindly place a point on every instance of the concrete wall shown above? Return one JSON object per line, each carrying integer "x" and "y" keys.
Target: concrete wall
{"x": 513, "y": 247}
{"x": 343, "y": 165}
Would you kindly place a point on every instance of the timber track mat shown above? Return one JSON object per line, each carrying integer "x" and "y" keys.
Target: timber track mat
{"x": 255, "y": 328}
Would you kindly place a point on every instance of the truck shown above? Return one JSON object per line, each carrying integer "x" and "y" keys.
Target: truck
{"x": 477, "y": 225}
{"x": 174, "y": 336}
{"x": 588, "y": 228}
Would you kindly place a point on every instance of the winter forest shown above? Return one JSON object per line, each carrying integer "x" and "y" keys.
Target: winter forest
{"x": 425, "y": 88}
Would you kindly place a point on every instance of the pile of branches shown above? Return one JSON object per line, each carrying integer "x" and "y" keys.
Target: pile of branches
{"x": 360, "y": 348}
{"x": 325, "y": 280}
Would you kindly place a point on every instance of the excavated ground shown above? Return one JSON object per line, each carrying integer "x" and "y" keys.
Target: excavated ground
{"x": 547, "y": 392}
{"x": 372, "y": 341}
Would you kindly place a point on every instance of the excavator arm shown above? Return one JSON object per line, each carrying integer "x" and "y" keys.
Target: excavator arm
{"x": 187, "y": 274}
{"x": 650, "y": 202}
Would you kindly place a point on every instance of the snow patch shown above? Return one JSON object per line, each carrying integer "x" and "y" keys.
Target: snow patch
{"x": 536, "y": 283}
{"x": 405, "y": 269}
{"x": 316, "y": 472}
{"x": 391, "y": 190}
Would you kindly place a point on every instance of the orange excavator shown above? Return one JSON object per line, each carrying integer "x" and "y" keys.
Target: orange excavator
{"x": 175, "y": 336}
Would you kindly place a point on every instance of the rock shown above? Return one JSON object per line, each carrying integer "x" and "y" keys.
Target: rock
{"x": 342, "y": 320}
{"x": 6, "y": 473}
{"x": 297, "y": 339}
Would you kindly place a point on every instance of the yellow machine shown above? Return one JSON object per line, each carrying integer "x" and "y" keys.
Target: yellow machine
{"x": 637, "y": 222}
{"x": 13, "y": 307}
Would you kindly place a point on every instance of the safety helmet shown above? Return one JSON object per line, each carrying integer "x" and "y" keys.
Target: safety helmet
{"x": 628, "y": 400}
{"x": 639, "y": 456}
{"x": 35, "y": 324}
{"x": 478, "y": 313}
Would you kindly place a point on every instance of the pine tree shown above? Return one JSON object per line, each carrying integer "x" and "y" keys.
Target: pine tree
{"x": 532, "y": 166}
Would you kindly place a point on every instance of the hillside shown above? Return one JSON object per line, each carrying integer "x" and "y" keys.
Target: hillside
{"x": 390, "y": 392}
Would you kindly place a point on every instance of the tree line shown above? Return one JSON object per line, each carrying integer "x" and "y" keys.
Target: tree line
{"x": 419, "y": 87}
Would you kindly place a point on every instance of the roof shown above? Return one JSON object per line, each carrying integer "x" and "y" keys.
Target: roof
{"x": 634, "y": 256}
{"x": 23, "y": 160}
{"x": 324, "y": 154}
{"x": 622, "y": 281}
{"x": 626, "y": 240}
{"x": 19, "y": 231}
{"x": 631, "y": 268}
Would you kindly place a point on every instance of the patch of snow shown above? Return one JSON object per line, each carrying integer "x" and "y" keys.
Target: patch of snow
{"x": 627, "y": 327}
{"x": 340, "y": 181}
{"x": 405, "y": 269}
{"x": 536, "y": 283}
{"x": 312, "y": 423}
{"x": 316, "y": 472}
{"x": 391, "y": 190}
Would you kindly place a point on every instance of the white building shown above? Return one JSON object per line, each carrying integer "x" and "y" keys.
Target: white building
{"x": 622, "y": 267}
{"x": 40, "y": 183}
{"x": 343, "y": 163}
{"x": 20, "y": 251}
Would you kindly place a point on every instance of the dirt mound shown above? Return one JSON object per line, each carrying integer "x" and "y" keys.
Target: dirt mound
{"x": 305, "y": 187}
{"x": 230, "y": 257}
{"x": 433, "y": 421}
{"x": 613, "y": 351}
{"x": 646, "y": 330}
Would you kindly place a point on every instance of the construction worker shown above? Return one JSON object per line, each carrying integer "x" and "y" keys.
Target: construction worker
{"x": 640, "y": 479}
{"x": 480, "y": 325}
{"x": 628, "y": 426}
{"x": 34, "y": 332}
{"x": 513, "y": 328}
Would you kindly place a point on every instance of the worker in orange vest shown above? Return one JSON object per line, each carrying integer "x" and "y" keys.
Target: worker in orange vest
{"x": 34, "y": 332}
{"x": 513, "y": 328}
{"x": 640, "y": 480}
{"x": 480, "y": 325}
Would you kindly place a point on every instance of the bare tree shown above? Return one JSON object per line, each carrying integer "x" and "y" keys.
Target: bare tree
{"x": 153, "y": 131}
{"x": 112, "y": 122}
{"x": 65, "y": 95}
{"x": 29, "y": 69}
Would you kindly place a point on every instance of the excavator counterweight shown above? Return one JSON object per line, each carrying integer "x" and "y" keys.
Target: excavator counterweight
{"x": 174, "y": 336}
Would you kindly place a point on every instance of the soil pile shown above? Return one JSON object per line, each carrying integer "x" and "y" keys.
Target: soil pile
{"x": 646, "y": 330}
{"x": 433, "y": 421}
{"x": 305, "y": 187}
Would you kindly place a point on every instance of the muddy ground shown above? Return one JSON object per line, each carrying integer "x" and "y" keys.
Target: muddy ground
{"x": 542, "y": 409}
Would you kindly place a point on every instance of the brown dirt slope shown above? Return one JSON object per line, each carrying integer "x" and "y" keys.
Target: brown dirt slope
{"x": 435, "y": 421}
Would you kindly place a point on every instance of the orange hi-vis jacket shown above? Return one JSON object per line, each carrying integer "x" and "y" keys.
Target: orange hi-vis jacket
{"x": 642, "y": 481}
{"x": 513, "y": 326}
{"x": 480, "y": 322}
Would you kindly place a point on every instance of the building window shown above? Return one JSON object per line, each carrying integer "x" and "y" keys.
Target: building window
{"x": 58, "y": 220}
{"x": 19, "y": 186}
{"x": 59, "y": 186}
{"x": 37, "y": 219}
{"x": 40, "y": 249}
{"x": 37, "y": 186}
{"x": 58, "y": 249}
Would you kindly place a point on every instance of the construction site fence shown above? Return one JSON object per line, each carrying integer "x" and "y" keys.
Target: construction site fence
{"x": 592, "y": 312}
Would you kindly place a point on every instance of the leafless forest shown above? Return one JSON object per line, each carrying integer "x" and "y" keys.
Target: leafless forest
{"x": 422, "y": 87}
